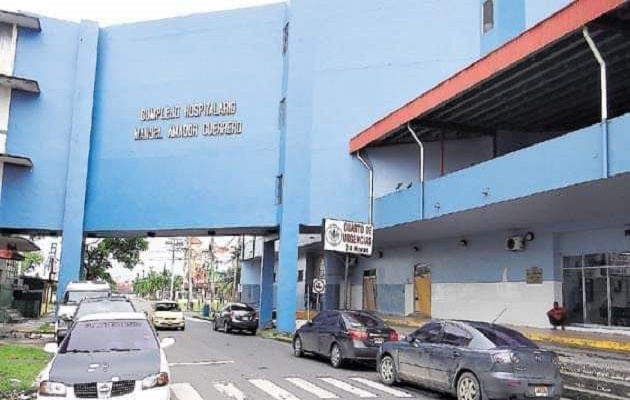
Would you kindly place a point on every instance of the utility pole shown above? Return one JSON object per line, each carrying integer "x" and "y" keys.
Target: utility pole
{"x": 189, "y": 264}
{"x": 176, "y": 245}
{"x": 52, "y": 255}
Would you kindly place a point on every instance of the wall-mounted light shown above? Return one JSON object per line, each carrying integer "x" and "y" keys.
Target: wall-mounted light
{"x": 416, "y": 247}
{"x": 486, "y": 192}
{"x": 463, "y": 243}
{"x": 437, "y": 206}
{"x": 529, "y": 236}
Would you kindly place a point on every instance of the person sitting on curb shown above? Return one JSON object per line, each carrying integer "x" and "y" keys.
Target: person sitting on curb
{"x": 557, "y": 316}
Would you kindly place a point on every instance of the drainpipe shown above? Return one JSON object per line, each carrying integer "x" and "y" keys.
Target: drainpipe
{"x": 604, "y": 99}
{"x": 367, "y": 165}
{"x": 421, "y": 147}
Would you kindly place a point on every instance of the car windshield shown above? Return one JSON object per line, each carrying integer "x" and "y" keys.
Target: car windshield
{"x": 361, "y": 320}
{"x": 504, "y": 337}
{"x": 76, "y": 296}
{"x": 241, "y": 307}
{"x": 99, "y": 307}
{"x": 104, "y": 336}
{"x": 167, "y": 307}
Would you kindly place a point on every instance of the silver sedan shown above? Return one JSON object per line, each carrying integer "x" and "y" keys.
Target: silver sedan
{"x": 472, "y": 360}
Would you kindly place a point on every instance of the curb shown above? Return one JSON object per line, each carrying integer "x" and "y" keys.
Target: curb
{"x": 606, "y": 345}
{"x": 541, "y": 337}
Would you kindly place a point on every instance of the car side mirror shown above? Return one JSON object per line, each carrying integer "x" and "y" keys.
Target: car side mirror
{"x": 167, "y": 342}
{"x": 51, "y": 348}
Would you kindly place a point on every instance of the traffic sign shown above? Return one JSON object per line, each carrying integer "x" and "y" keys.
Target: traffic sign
{"x": 319, "y": 286}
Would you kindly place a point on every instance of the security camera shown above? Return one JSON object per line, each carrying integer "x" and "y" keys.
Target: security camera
{"x": 515, "y": 243}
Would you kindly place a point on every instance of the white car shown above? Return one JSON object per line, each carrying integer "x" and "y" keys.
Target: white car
{"x": 110, "y": 355}
{"x": 75, "y": 292}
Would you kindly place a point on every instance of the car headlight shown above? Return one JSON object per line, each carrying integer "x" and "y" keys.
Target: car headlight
{"x": 47, "y": 388}
{"x": 157, "y": 380}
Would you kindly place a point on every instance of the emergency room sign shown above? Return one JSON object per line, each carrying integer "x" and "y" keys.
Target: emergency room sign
{"x": 348, "y": 237}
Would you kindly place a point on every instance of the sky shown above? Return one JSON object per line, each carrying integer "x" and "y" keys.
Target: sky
{"x": 111, "y": 12}
{"x": 156, "y": 258}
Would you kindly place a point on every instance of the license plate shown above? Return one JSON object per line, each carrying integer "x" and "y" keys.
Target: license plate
{"x": 378, "y": 340}
{"x": 541, "y": 391}
{"x": 245, "y": 318}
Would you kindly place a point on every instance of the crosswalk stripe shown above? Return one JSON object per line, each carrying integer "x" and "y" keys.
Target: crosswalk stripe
{"x": 272, "y": 389}
{"x": 382, "y": 388}
{"x": 230, "y": 390}
{"x": 348, "y": 387}
{"x": 184, "y": 391}
{"x": 311, "y": 388}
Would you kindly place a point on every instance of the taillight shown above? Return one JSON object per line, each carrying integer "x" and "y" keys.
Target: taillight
{"x": 506, "y": 358}
{"x": 254, "y": 316}
{"x": 359, "y": 335}
{"x": 393, "y": 336}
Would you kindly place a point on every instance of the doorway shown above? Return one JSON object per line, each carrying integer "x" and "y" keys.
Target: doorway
{"x": 369, "y": 290}
{"x": 596, "y": 288}
{"x": 422, "y": 289}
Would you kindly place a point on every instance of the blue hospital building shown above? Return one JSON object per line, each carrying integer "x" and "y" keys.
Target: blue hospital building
{"x": 486, "y": 140}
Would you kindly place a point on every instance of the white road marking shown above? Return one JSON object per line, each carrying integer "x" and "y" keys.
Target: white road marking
{"x": 348, "y": 387}
{"x": 230, "y": 390}
{"x": 309, "y": 387}
{"x": 382, "y": 388}
{"x": 184, "y": 391}
{"x": 200, "y": 363}
{"x": 272, "y": 389}
{"x": 197, "y": 320}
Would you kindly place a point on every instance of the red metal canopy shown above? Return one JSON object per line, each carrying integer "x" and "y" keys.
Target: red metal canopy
{"x": 566, "y": 21}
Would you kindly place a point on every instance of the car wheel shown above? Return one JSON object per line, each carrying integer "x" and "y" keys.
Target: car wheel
{"x": 387, "y": 370}
{"x": 183, "y": 328}
{"x": 226, "y": 327}
{"x": 336, "y": 356}
{"x": 298, "y": 350}
{"x": 253, "y": 332}
{"x": 468, "y": 387}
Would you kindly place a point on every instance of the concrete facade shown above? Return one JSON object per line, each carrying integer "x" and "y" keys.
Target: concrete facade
{"x": 298, "y": 80}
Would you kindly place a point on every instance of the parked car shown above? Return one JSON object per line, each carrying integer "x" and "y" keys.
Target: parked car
{"x": 236, "y": 316}
{"x": 74, "y": 293}
{"x": 167, "y": 314}
{"x": 472, "y": 360}
{"x": 112, "y": 355}
{"x": 100, "y": 305}
{"x": 343, "y": 336}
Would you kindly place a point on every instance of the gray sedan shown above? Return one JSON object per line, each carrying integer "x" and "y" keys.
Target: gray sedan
{"x": 473, "y": 360}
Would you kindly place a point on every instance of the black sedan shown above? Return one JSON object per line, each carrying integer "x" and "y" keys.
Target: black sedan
{"x": 473, "y": 360}
{"x": 343, "y": 336}
{"x": 236, "y": 316}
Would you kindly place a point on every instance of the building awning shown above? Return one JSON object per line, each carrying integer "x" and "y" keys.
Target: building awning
{"x": 16, "y": 160}
{"x": 16, "y": 243}
{"x": 544, "y": 80}
{"x": 17, "y": 83}
{"x": 21, "y": 20}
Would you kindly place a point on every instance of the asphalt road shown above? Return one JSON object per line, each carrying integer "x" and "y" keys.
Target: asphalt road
{"x": 214, "y": 365}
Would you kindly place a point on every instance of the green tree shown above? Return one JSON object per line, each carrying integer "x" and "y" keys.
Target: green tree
{"x": 154, "y": 283}
{"x": 99, "y": 255}
{"x": 31, "y": 259}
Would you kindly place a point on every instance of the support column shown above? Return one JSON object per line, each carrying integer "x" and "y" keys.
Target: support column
{"x": 266, "y": 283}
{"x": 76, "y": 180}
{"x": 287, "y": 278}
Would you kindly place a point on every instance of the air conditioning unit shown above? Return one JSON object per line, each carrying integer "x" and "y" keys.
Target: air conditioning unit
{"x": 515, "y": 243}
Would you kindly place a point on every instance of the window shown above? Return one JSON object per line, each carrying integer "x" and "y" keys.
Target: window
{"x": 167, "y": 307}
{"x": 300, "y": 276}
{"x": 100, "y": 336}
{"x": 320, "y": 318}
{"x": 282, "y": 113}
{"x": 279, "y": 185}
{"x": 357, "y": 320}
{"x": 429, "y": 332}
{"x": 488, "y": 15}
{"x": 331, "y": 320}
{"x": 504, "y": 337}
{"x": 455, "y": 336}
{"x": 285, "y": 39}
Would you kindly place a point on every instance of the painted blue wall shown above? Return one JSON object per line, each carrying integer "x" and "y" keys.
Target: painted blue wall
{"x": 39, "y": 127}
{"x": 538, "y": 10}
{"x": 509, "y": 22}
{"x": 197, "y": 182}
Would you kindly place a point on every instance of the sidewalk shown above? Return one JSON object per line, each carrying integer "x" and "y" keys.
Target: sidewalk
{"x": 583, "y": 338}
